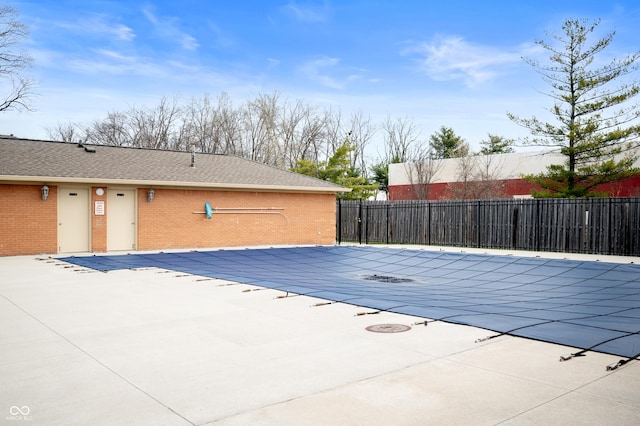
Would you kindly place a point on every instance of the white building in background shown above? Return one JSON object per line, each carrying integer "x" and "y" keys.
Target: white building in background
{"x": 408, "y": 181}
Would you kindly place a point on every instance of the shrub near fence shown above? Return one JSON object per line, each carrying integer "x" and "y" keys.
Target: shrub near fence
{"x": 576, "y": 225}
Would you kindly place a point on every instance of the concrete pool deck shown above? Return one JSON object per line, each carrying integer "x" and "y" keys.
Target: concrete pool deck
{"x": 158, "y": 347}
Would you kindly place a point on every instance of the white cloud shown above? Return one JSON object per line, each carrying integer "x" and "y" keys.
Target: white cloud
{"x": 99, "y": 24}
{"x": 111, "y": 63}
{"x": 453, "y": 58}
{"x": 112, "y": 54}
{"x": 315, "y": 70}
{"x": 123, "y": 32}
{"x": 307, "y": 12}
{"x": 272, "y": 63}
{"x": 151, "y": 17}
{"x": 320, "y": 70}
{"x": 219, "y": 37}
{"x": 168, "y": 28}
{"x": 188, "y": 42}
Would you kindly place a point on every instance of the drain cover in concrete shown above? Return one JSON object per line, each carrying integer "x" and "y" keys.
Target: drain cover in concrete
{"x": 388, "y": 328}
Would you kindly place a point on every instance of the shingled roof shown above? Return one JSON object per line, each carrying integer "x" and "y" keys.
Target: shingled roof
{"x": 46, "y": 161}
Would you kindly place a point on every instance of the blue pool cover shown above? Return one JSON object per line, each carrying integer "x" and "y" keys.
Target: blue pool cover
{"x": 582, "y": 304}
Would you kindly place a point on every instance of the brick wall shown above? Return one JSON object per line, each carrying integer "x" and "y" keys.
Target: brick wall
{"x": 28, "y": 225}
{"x": 175, "y": 219}
{"x": 99, "y": 222}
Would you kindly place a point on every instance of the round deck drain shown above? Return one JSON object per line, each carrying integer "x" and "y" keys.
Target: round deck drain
{"x": 388, "y": 328}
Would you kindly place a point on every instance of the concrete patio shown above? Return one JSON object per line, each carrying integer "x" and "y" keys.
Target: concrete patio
{"x": 156, "y": 347}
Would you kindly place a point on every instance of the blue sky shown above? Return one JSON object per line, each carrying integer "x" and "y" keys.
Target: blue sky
{"x": 438, "y": 63}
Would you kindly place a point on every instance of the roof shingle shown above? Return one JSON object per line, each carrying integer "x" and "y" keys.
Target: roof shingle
{"x": 46, "y": 161}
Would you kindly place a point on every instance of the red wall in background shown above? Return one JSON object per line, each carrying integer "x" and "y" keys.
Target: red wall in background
{"x": 514, "y": 187}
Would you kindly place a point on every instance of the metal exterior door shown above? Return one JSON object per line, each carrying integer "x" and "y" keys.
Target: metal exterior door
{"x": 121, "y": 219}
{"x": 73, "y": 220}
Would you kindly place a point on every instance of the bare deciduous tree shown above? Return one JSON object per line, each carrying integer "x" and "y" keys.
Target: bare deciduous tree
{"x": 465, "y": 184}
{"x": 478, "y": 177}
{"x": 197, "y": 127}
{"x": 211, "y": 128}
{"x": 400, "y": 135}
{"x": 260, "y": 118}
{"x": 292, "y": 143}
{"x": 265, "y": 129}
{"x": 113, "y": 130}
{"x": 422, "y": 171}
{"x": 362, "y": 131}
{"x": 155, "y": 128}
{"x": 313, "y": 136}
{"x": 280, "y": 133}
{"x": 334, "y": 133}
{"x": 13, "y": 62}
{"x": 68, "y": 132}
{"x": 228, "y": 126}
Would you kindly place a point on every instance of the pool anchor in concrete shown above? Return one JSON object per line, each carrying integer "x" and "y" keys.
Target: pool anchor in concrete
{"x": 617, "y": 364}
{"x": 622, "y": 362}
{"x": 484, "y": 339}
{"x": 321, "y": 304}
{"x": 359, "y": 314}
{"x": 378, "y": 311}
{"x": 569, "y": 357}
{"x": 613, "y": 366}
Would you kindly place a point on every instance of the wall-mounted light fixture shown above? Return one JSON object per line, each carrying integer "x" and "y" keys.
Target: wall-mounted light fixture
{"x": 150, "y": 194}
{"x": 45, "y": 192}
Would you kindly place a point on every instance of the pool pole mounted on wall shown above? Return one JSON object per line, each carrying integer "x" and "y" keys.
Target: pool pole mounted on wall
{"x": 210, "y": 211}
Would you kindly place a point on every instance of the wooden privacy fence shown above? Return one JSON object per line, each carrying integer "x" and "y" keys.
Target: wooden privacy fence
{"x": 595, "y": 225}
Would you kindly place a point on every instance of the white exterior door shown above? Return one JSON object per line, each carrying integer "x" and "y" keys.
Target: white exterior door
{"x": 73, "y": 220}
{"x": 121, "y": 219}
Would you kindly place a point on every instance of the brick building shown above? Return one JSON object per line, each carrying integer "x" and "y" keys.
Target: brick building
{"x": 484, "y": 176}
{"x": 64, "y": 197}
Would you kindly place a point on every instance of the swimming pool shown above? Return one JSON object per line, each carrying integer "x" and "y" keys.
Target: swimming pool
{"x": 583, "y": 304}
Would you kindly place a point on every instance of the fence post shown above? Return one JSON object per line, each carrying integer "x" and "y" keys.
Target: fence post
{"x": 388, "y": 207}
{"x": 538, "y": 225}
{"x": 339, "y": 224}
{"x": 429, "y": 206}
{"x": 514, "y": 230}
{"x": 366, "y": 223}
{"x": 612, "y": 227}
{"x": 478, "y": 222}
{"x": 360, "y": 222}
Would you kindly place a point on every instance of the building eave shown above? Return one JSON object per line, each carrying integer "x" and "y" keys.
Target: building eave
{"x": 173, "y": 184}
